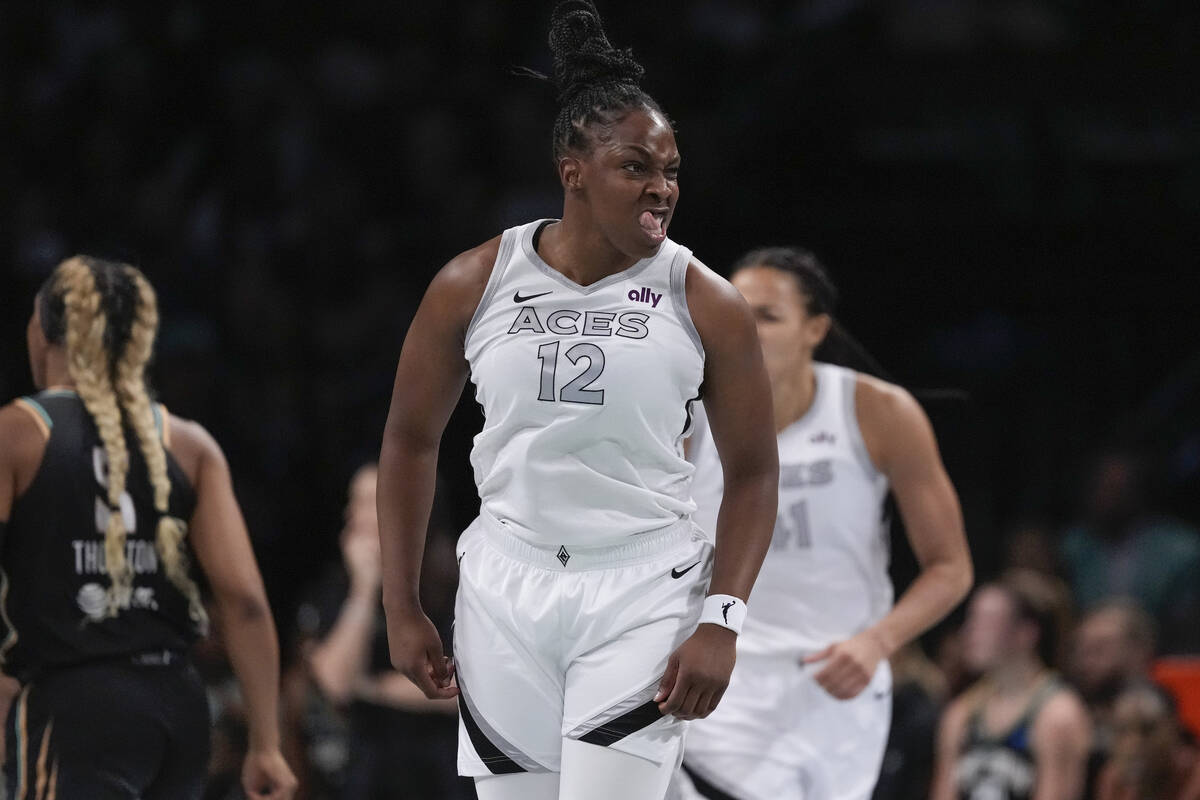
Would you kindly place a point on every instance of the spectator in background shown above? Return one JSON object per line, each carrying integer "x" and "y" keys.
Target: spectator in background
{"x": 1150, "y": 759}
{"x": 918, "y": 692}
{"x": 398, "y": 743}
{"x": 1030, "y": 544}
{"x": 1019, "y": 732}
{"x": 1112, "y": 650}
{"x": 1120, "y": 547}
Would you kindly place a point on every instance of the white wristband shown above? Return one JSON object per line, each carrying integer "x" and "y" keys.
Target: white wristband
{"x": 724, "y": 610}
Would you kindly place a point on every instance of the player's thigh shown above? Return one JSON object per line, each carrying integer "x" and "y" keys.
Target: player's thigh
{"x": 185, "y": 719}
{"x": 521, "y": 786}
{"x": 640, "y": 617}
{"x": 82, "y": 734}
{"x": 593, "y": 772}
{"x": 847, "y": 738}
{"x": 510, "y": 687}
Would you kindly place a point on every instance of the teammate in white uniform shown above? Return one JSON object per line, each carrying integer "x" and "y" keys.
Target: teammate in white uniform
{"x": 582, "y": 635}
{"x": 806, "y": 714}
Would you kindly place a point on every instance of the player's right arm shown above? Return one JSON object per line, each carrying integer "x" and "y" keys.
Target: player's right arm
{"x": 21, "y": 448}
{"x": 430, "y": 377}
{"x": 1062, "y": 736}
{"x": 951, "y": 730}
{"x": 222, "y": 546}
{"x": 22, "y": 444}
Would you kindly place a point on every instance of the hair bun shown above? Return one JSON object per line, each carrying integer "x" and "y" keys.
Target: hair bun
{"x": 583, "y": 56}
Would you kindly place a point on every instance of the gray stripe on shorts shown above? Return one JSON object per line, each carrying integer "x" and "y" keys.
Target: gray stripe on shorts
{"x": 501, "y": 744}
{"x": 608, "y": 715}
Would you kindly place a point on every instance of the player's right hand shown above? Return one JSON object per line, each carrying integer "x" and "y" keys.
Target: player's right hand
{"x": 266, "y": 776}
{"x": 416, "y": 650}
{"x": 697, "y": 673}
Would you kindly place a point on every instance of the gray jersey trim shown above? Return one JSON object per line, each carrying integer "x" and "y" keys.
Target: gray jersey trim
{"x": 555, "y": 275}
{"x": 503, "y": 745}
{"x": 679, "y": 268}
{"x": 503, "y": 257}
{"x": 857, "y": 444}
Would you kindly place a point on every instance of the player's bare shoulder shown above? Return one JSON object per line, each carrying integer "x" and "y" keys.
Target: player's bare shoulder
{"x": 713, "y": 303}
{"x": 191, "y": 445}
{"x": 891, "y": 420}
{"x": 880, "y": 402}
{"x": 703, "y": 285}
{"x": 457, "y": 288}
{"x": 23, "y": 437}
{"x": 1062, "y": 716}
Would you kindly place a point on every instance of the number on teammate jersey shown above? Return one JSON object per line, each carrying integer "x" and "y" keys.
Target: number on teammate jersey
{"x": 128, "y": 513}
{"x": 791, "y": 528}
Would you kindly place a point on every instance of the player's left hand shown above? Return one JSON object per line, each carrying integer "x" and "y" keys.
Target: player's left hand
{"x": 697, "y": 673}
{"x": 266, "y": 776}
{"x": 849, "y": 665}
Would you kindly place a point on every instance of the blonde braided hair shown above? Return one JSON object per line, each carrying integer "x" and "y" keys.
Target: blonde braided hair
{"x": 135, "y": 400}
{"x": 88, "y": 365}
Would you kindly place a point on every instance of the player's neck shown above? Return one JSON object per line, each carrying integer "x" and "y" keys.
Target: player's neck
{"x": 1016, "y": 676}
{"x": 581, "y": 252}
{"x": 56, "y": 375}
{"x": 794, "y": 397}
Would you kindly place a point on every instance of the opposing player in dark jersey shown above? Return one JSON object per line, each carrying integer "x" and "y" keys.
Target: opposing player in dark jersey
{"x": 1019, "y": 733}
{"x": 105, "y": 498}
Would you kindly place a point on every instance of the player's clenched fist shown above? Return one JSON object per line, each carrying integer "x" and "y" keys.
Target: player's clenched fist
{"x": 416, "y": 651}
{"x": 698, "y": 673}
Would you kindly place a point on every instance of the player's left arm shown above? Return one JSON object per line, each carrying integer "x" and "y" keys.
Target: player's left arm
{"x": 901, "y": 444}
{"x": 1062, "y": 736}
{"x": 737, "y": 400}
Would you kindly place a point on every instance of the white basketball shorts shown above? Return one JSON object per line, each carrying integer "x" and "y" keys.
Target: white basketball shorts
{"x": 553, "y": 642}
{"x": 777, "y": 735}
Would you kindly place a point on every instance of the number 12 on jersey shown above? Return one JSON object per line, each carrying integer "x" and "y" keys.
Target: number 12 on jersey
{"x": 576, "y": 390}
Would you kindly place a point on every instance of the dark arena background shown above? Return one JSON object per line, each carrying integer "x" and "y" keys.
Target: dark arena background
{"x": 1006, "y": 191}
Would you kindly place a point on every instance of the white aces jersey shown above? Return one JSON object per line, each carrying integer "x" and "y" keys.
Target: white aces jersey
{"x": 586, "y": 394}
{"x": 825, "y": 577}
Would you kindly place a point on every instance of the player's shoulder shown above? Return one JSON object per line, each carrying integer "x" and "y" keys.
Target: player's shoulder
{"x": 879, "y": 398}
{"x": 704, "y": 284}
{"x": 953, "y": 724}
{"x": 471, "y": 267}
{"x": 24, "y": 434}
{"x": 23, "y": 420}
{"x": 190, "y": 443}
{"x": 1063, "y": 714}
{"x": 458, "y": 287}
{"x": 715, "y": 307}
{"x": 887, "y": 410}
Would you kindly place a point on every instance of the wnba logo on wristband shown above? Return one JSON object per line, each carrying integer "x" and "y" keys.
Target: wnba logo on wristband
{"x": 717, "y": 608}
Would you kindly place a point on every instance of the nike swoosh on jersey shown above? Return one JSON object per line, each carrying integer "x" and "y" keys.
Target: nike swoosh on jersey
{"x": 518, "y": 298}
{"x": 679, "y": 573}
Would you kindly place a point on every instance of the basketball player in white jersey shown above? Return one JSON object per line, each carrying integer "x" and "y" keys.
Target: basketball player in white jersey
{"x": 583, "y": 634}
{"x": 807, "y": 712}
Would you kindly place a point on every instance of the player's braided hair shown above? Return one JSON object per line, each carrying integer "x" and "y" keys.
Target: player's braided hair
{"x": 597, "y": 83}
{"x": 106, "y": 315}
{"x": 135, "y": 400}
{"x": 821, "y": 297}
{"x": 90, "y": 339}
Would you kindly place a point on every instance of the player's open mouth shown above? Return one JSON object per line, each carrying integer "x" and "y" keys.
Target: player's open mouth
{"x": 653, "y": 222}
